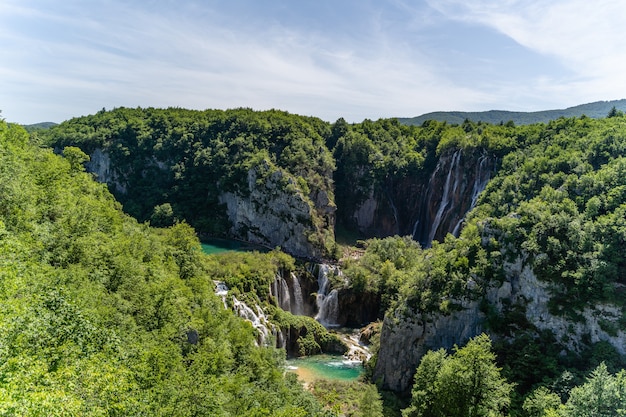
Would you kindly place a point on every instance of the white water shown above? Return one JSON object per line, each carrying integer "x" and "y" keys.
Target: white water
{"x": 288, "y": 298}
{"x": 481, "y": 178}
{"x": 445, "y": 197}
{"x": 298, "y": 299}
{"x": 258, "y": 319}
{"x": 327, "y": 301}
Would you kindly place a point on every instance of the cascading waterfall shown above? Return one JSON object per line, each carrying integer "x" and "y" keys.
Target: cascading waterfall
{"x": 282, "y": 292}
{"x": 297, "y": 307}
{"x": 289, "y": 297}
{"x": 258, "y": 319}
{"x": 481, "y": 178}
{"x": 447, "y": 193}
{"x": 327, "y": 301}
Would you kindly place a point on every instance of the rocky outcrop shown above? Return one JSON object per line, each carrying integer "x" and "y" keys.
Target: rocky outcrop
{"x": 407, "y": 335}
{"x": 275, "y": 212}
{"x": 523, "y": 288}
{"x": 429, "y": 206}
{"x": 100, "y": 165}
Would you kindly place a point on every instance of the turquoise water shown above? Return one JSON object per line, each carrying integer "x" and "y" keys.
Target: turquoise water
{"x": 213, "y": 246}
{"x": 325, "y": 367}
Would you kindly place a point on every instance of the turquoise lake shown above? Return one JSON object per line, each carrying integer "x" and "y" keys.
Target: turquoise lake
{"x": 325, "y": 367}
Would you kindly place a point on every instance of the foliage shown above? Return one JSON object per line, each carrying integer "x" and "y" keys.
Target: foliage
{"x": 101, "y": 315}
{"x": 466, "y": 383}
{"x": 189, "y": 158}
{"x": 602, "y": 395}
{"x": 350, "y": 399}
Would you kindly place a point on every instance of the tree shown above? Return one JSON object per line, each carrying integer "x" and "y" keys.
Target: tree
{"x": 614, "y": 113}
{"x": 76, "y": 158}
{"x": 603, "y": 395}
{"x": 541, "y": 403}
{"x": 464, "y": 384}
{"x": 370, "y": 404}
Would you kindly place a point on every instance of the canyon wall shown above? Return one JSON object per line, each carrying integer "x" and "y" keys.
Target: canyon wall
{"x": 408, "y": 335}
{"x": 429, "y": 206}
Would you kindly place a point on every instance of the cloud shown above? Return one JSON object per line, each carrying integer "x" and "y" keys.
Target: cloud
{"x": 360, "y": 59}
{"x": 586, "y": 37}
{"x": 118, "y": 54}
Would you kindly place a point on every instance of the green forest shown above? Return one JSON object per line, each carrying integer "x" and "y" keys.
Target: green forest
{"x": 108, "y": 305}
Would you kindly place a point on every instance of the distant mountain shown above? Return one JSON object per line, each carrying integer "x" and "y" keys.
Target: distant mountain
{"x": 596, "y": 110}
{"x": 39, "y": 126}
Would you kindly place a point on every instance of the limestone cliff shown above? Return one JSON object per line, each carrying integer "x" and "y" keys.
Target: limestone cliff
{"x": 430, "y": 205}
{"x": 100, "y": 165}
{"x": 275, "y": 212}
{"x": 407, "y": 335}
{"x": 270, "y": 210}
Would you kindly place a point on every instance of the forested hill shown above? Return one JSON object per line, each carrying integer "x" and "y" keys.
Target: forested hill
{"x": 103, "y": 316}
{"x": 598, "y": 109}
{"x": 521, "y": 228}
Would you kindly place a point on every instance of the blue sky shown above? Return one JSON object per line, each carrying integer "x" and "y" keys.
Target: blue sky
{"x": 355, "y": 59}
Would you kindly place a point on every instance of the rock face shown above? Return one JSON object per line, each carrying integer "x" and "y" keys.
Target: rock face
{"x": 407, "y": 336}
{"x": 275, "y": 212}
{"x": 430, "y": 206}
{"x": 272, "y": 210}
{"x": 100, "y": 165}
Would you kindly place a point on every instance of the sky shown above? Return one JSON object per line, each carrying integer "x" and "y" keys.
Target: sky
{"x": 356, "y": 59}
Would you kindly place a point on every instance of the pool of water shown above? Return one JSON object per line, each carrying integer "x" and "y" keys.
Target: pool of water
{"x": 330, "y": 367}
{"x": 213, "y": 246}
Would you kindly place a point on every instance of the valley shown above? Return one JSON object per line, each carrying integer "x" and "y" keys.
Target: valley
{"x": 500, "y": 241}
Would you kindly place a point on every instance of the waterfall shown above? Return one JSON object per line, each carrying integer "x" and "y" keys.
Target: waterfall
{"x": 284, "y": 298}
{"x": 480, "y": 181}
{"x": 288, "y": 293}
{"x": 445, "y": 197}
{"x": 221, "y": 290}
{"x": 481, "y": 178}
{"x": 258, "y": 319}
{"x": 298, "y": 299}
{"x": 327, "y": 301}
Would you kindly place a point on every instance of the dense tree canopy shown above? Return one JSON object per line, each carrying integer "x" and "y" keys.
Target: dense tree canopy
{"x": 556, "y": 203}
{"x": 103, "y": 316}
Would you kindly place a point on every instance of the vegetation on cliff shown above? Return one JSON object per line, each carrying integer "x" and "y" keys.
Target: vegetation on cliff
{"x": 556, "y": 205}
{"x": 104, "y": 316}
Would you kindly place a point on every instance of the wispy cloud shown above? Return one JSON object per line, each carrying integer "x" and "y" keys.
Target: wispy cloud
{"x": 586, "y": 37}
{"x": 354, "y": 59}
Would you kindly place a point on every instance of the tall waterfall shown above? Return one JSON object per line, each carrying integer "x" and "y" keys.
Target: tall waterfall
{"x": 447, "y": 193}
{"x": 297, "y": 306}
{"x": 289, "y": 297}
{"x": 327, "y": 301}
{"x": 452, "y": 191}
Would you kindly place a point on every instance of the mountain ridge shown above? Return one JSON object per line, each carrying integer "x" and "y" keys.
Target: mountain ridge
{"x": 594, "y": 110}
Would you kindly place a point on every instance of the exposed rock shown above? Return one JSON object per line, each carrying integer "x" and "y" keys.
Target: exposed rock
{"x": 367, "y": 333}
{"x": 407, "y": 335}
{"x": 429, "y": 206}
{"x": 276, "y": 213}
{"x": 100, "y": 165}
{"x": 524, "y": 288}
